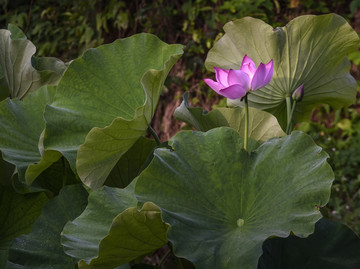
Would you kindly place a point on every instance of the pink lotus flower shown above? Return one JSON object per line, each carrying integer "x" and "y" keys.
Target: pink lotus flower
{"x": 235, "y": 84}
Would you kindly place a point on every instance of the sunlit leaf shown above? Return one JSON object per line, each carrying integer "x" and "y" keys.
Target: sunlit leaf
{"x": 309, "y": 50}
{"x": 105, "y": 102}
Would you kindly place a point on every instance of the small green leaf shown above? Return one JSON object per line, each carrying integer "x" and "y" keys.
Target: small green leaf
{"x": 309, "y": 50}
{"x": 133, "y": 234}
{"x": 81, "y": 237}
{"x": 222, "y": 202}
{"x": 196, "y": 117}
{"x": 41, "y": 248}
{"x": 262, "y": 125}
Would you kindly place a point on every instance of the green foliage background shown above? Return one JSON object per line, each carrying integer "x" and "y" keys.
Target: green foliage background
{"x": 65, "y": 29}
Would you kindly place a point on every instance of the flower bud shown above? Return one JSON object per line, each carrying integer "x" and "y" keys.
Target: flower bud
{"x": 298, "y": 94}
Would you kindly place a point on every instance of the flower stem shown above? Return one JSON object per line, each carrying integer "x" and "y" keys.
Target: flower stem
{"x": 289, "y": 125}
{"x": 164, "y": 258}
{"x": 154, "y": 134}
{"x": 288, "y": 112}
{"x": 246, "y": 122}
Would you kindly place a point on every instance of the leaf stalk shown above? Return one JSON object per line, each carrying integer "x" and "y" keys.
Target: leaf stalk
{"x": 164, "y": 258}
{"x": 289, "y": 125}
{"x": 288, "y": 113}
{"x": 154, "y": 134}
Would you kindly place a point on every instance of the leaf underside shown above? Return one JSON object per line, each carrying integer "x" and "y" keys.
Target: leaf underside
{"x": 309, "y": 50}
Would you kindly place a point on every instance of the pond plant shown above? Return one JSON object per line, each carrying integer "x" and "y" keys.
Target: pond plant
{"x": 83, "y": 185}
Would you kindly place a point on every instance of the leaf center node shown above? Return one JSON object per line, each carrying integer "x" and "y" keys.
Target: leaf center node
{"x": 240, "y": 222}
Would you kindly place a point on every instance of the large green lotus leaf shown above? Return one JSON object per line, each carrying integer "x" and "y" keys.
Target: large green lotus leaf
{"x": 20, "y": 73}
{"x": 131, "y": 163}
{"x": 105, "y": 102}
{"x": 81, "y": 237}
{"x": 18, "y": 213}
{"x": 262, "y": 125}
{"x": 132, "y": 234}
{"x": 332, "y": 246}
{"x": 222, "y": 202}
{"x": 21, "y": 125}
{"x": 309, "y": 50}
{"x": 41, "y": 248}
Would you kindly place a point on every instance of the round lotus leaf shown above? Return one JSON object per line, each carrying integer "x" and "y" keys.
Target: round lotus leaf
{"x": 223, "y": 202}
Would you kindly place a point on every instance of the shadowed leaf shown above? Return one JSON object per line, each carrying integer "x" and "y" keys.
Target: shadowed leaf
{"x": 332, "y": 246}
{"x": 41, "y": 248}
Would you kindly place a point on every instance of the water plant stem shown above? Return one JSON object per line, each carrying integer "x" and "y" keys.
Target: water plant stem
{"x": 246, "y": 121}
{"x": 289, "y": 125}
{"x": 288, "y": 112}
{"x": 154, "y": 134}
{"x": 164, "y": 258}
